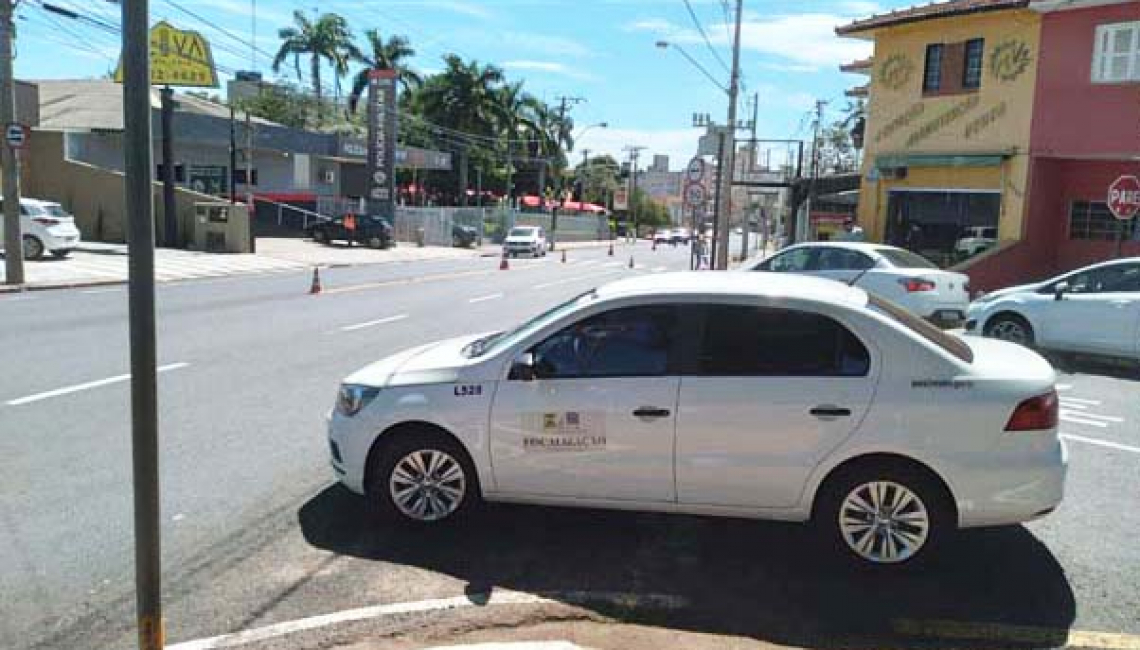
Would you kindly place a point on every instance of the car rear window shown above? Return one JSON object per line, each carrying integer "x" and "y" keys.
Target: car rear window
{"x": 947, "y": 342}
{"x": 522, "y": 232}
{"x": 905, "y": 259}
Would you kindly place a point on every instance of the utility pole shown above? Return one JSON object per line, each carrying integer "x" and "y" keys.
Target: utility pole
{"x": 585, "y": 173}
{"x": 233, "y": 151}
{"x": 252, "y": 207}
{"x": 563, "y": 101}
{"x": 745, "y": 231}
{"x": 144, "y": 394}
{"x": 634, "y": 154}
{"x": 169, "y": 203}
{"x": 819, "y": 105}
{"x": 730, "y": 148}
{"x": 13, "y": 239}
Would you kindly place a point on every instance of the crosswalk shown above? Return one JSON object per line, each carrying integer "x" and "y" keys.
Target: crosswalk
{"x": 170, "y": 265}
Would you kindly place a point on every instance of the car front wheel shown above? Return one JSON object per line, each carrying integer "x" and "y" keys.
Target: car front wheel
{"x": 33, "y": 248}
{"x": 320, "y": 237}
{"x": 1012, "y": 328}
{"x": 882, "y": 516}
{"x": 423, "y": 478}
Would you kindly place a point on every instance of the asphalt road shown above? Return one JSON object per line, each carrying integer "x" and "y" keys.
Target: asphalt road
{"x": 255, "y": 532}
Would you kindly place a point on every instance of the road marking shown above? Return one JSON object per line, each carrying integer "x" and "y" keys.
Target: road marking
{"x": 1101, "y": 443}
{"x": 1090, "y": 419}
{"x": 1078, "y": 400}
{"x": 613, "y": 264}
{"x": 493, "y": 296}
{"x": 577, "y": 278}
{"x": 87, "y": 385}
{"x": 657, "y": 601}
{"x": 16, "y": 299}
{"x": 658, "y": 269}
{"x": 370, "y": 323}
{"x": 1064, "y": 386}
{"x": 95, "y": 291}
{"x": 1020, "y": 634}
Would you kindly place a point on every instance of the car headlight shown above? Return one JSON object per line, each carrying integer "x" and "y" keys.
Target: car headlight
{"x": 351, "y": 398}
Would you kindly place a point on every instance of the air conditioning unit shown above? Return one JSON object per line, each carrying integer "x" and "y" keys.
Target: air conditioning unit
{"x": 328, "y": 176}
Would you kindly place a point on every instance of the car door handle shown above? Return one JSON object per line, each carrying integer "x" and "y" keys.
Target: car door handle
{"x": 651, "y": 412}
{"x": 830, "y": 412}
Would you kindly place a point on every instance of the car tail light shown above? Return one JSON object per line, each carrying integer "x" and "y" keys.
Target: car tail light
{"x": 1035, "y": 414}
{"x": 46, "y": 221}
{"x": 914, "y": 285}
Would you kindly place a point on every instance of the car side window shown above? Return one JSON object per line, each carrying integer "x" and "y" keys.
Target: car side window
{"x": 624, "y": 342}
{"x": 1117, "y": 278}
{"x": 792, "y": 261}
{"x": 742, "y": 341}
{"x": 842, "y": 259}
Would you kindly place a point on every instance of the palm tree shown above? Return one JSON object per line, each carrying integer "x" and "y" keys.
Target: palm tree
{"x": 384, "y": 55}
{"x": 463, "y": 97}
{"x": 329, "y": 38}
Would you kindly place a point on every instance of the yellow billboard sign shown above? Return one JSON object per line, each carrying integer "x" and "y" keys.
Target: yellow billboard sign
{"x": 178, "y": 58}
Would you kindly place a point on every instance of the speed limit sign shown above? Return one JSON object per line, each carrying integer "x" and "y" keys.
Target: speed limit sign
{"x": 695, "y": 194}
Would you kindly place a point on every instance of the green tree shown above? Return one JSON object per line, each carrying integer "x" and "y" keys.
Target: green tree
{"x": 329, "y": 38}
{"x": 598, "y": 178}
{"x": 281, "y": 103}
{"x": 384, "y": 55}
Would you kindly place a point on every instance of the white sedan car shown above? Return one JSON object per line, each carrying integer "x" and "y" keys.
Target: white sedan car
{"x": 45, "y": 228}
{"x": 893, "y": 273}
{"x": 1093, "y": 310}
{"x": 525, "y": 240}
{"x": 749, "y": 395}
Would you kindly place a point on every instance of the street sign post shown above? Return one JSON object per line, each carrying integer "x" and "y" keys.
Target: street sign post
{"x": 695, "y": 172}
{"x": 1124, "y": 203}
{"x": 695, "y": 195}
{"x": 16, "y": 135}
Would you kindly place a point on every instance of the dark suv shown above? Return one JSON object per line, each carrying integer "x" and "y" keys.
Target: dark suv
{"x": 465, "y": 236}
{"x": 372, "y": 231}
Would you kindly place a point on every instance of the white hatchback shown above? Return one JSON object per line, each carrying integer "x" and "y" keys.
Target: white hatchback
{"x": 751, "y": 395}
{"x": 896, "y": 274}
{"x": 1092, "y": 310}
{"x": 525, "y": 240}
{"x": 46, "y": 227}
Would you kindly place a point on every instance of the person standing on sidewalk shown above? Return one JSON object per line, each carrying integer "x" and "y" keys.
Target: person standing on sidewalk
{"x": 851, "y": 232}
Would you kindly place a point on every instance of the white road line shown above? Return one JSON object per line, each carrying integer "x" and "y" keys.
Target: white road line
{"x": 433, "y": 605}
{"x": 1101, "y": 443}
{"x": 1064, "y": 386}
{"x": 658, "y": 269}
{"x": 613, "y": 264}
{"x": 95, "y": 291}
{"x": 1070, "y": 405}
{"x": 84, "y": 386}
{"x": 577, "y": 278}
{"x": 493, "y": 296}
{"x": 1078, "y": 400}
{"x": 370, "y": 323}
{"x": 15, "y": 298}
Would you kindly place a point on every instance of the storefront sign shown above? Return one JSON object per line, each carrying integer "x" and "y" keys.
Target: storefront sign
{"x": 983, "y": 121}
{"x": 1124, "y": 197}
{"x": 948, "y": 117}
{"x": 1009, "y": 59}
{"x": 621, "y": 198}
{"x": 900, "y": 121}
{"x": 896, "y": 71}
{"x": 178, "y": 58}
{"x": 208, "y": 179}
{"x": 382, "y": 142}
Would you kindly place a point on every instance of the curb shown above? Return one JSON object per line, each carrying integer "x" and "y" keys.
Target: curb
{"x": 60, "y": 285}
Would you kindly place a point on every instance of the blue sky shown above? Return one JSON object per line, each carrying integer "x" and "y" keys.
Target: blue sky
{"x": 602, "y": 50}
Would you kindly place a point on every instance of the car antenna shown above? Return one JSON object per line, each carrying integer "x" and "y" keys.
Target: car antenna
{"x": 859, "y": 275}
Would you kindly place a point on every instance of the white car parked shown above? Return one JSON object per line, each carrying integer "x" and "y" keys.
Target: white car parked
{"x": 749, "y": 395}
{"x": 46, "y": 227}
{"x": 1093, "y": 310}
{"x": 525, "y": 240}
{"x": 896, "y": 274}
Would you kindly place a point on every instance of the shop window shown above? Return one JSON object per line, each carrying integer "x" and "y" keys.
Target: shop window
{"x": 1093, "y": 220}
{"x": 945, "y": 226}
{"x": 975, "y": 52}
{"x": 932, "y": 73}
{"x": 1116, "y": 58}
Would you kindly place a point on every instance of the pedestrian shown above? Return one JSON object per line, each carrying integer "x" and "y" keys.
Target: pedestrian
{"x": 851, "y": 231}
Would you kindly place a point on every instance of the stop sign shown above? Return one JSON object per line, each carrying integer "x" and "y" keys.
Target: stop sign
{"x": 1124, "y": 197}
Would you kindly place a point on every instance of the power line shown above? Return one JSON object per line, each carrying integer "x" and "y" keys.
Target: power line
{"x": 701, "y": 29}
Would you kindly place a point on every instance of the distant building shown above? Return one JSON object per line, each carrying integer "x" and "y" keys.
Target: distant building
{"x": 662, "y": 185}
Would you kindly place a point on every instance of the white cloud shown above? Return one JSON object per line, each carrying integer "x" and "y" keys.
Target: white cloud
{"x": 678, "y": 144}
{"x": 803, "y": 39}
{"x": 548, "y": 66}
{"x": 547, "y": 44}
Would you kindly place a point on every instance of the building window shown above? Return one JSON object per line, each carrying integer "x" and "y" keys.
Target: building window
{"x": 1117, "y": 55}
{"x": 1093, "y": 220}
{"x": 932, "y": 73}
{"x": 239, "y": 177}
{"x": 972, "y": 74}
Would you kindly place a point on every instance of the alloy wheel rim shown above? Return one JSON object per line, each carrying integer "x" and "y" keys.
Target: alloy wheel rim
{"x": 32, "y": 248}
{"x": 884, "y": 522}
{"x": 427, "y": 485}
{"x": 1008, "y": 330}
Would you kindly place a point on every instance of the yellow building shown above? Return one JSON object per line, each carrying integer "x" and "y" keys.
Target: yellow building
{"x": 949, "y": 109}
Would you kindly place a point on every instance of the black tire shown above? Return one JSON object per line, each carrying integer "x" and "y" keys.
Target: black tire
{"x": 320, "y": 237}
{"x": 60, "y": 254}
{"x": 1010, "y": 327}
{"x": 935, "y": 507}
{"x": 33, "y": 248}
{"x": 376, "y": 242}
{"x": 391, "y": 453}
{"x": 456, "y": 242}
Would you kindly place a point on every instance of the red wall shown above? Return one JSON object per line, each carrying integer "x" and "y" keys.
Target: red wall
{"x": 1072, "y": 115}
{"x": 1087, "y": 181}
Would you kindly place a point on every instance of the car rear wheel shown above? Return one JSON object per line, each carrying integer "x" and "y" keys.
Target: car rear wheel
{"x": 883, "y": 515}
{"x": 60, "y": 254}
{"x": 423, "y": 478}
{"x": 33, "y": 248}
{"x": 376, "y": 242}
{"x": 1012, "y": 328}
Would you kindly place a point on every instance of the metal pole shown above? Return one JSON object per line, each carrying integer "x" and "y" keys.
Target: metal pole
{"x": 144, "y": 396}
{"x": 729, "y": 154}
{"x": 634, "y": 155}
{"x": 169, "y": 204}
{"x": 13, "y": 239}
{"x": 251, "y": 205}
{"x": 233, "y": 151}
{"x": 717, "y": 249}
{"x": 1119, "y": 237}
{"x": 746, "y": 230}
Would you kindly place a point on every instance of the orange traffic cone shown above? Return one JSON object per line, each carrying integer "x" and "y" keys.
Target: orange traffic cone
{"x": 315, "y": 287}
{"x": 563, "y": 255}
{"x": 504, "y": 265}
{"x": 631, "y": 261}
{"x": 611, "y": 249}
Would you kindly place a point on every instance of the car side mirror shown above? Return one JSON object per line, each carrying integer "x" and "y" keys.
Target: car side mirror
{"x": 523, "y": 367}
{"x": 1059, "y": 290}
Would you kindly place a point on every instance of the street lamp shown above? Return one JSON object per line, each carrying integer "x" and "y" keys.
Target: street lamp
{"x": 599, "y": 125}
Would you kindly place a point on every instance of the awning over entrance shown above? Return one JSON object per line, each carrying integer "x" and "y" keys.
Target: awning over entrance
{"x": 894, "y": 161}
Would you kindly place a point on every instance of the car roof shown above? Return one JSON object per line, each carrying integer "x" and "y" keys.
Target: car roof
{"x": 735, "y": 283}
{"x": 861, "y": 246}
{"x": 30, "y": 201}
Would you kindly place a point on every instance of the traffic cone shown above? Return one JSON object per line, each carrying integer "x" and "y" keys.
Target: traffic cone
{"x": 611, "y": 249}
{"x": 631, "y": 261}
{"x": 315, "y": 287}
{"x": 504, "y": 265}
{"x": 563, "y": 255}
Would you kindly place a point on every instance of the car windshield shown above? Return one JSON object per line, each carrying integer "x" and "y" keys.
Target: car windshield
{"x": 948, "y": 342}
{"x": 33, "y": 209}
{"x": 904, "y": 259}
{"x": 502, "y": 340}
{"x": 523, "y": 232}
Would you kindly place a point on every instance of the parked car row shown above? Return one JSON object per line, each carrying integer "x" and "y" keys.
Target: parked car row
{"x": 46, "y": 228}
